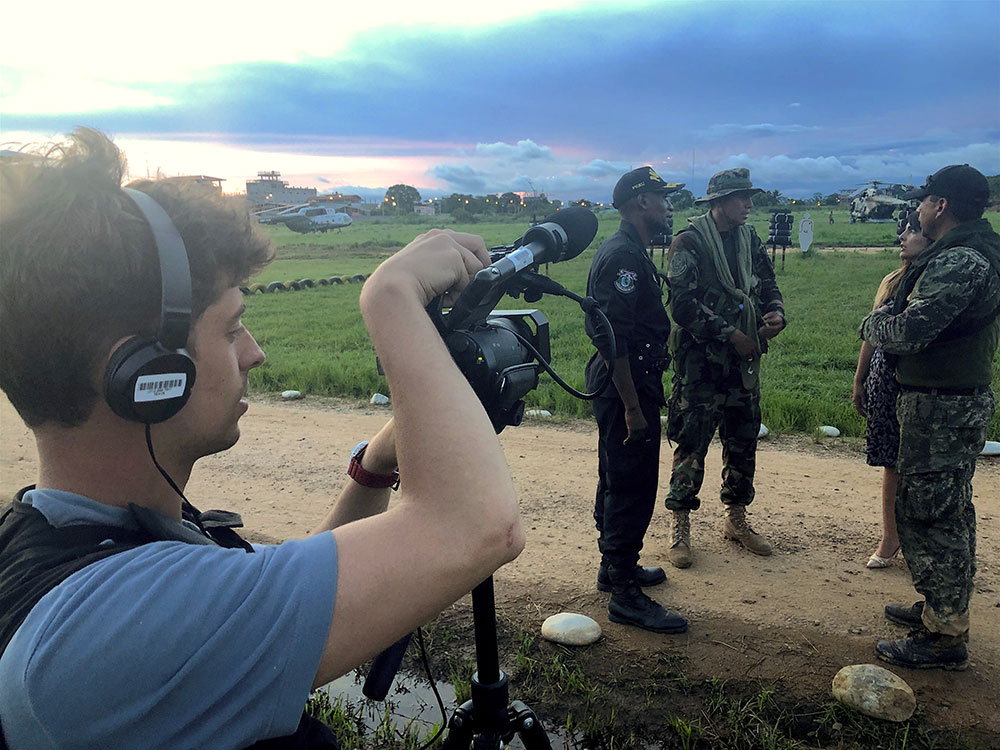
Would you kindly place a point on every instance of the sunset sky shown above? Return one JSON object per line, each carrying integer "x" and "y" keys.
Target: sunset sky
{"x": 553, "y": 96}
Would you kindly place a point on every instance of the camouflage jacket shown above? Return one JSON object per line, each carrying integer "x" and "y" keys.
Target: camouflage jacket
{"x": 697, "y": 301}
{"x": 946, "y": 334}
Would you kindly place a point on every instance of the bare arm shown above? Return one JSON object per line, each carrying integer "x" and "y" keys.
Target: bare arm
{"x": 860, "y": 374}
{"x": 457, "y": 520}
{"x": 357, "y": 501}
{"x": 621, "y": 376}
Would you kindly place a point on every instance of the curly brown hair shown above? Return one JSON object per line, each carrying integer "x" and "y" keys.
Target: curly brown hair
{"x": 79, "y": 267}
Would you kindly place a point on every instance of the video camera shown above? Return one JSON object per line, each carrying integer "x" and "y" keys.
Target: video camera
{"x": 501, "y": 352}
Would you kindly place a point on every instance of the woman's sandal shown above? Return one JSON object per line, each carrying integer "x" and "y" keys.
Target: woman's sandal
{"x": 876, "y": 561}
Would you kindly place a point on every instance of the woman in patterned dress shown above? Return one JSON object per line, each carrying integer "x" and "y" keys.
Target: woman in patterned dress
{"x": 874, "y": 396}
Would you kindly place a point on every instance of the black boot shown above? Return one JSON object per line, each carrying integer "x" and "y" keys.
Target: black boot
{"x": 628, "y": 605}
{"x": 922, "y": 649}
{"x": 644, "y": 576}
{"x": 903, "y": 615}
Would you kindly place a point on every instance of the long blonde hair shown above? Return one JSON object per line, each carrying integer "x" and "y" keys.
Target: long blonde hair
{"x": 887, "y": 289}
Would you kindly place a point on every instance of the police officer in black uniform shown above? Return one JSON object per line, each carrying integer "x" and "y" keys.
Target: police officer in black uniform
{"x": 624, "y": 281}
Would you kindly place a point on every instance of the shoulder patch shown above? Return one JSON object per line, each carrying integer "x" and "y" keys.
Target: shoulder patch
{"x": 625, "y": 283}
{"x": 679, "y": 265}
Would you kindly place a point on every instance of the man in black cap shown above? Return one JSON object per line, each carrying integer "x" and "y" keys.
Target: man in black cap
{"x": 726, "y": 305}
{"x": 943, "y": 332}
{"x": 624, "y": 281}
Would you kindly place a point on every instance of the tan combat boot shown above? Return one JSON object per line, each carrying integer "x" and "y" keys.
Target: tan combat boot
{"x": 738, "y": 529}
{"x": 680, "y": 540}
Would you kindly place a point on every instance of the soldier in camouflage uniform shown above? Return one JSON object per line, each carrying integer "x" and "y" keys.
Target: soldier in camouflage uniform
{"x": 726, "y": 306}
{"x": 944, "y": 336}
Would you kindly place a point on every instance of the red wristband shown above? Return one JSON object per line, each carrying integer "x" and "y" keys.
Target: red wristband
{"x": 365, "y": 478}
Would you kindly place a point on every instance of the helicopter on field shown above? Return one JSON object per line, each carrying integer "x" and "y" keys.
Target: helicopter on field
{"x": 305, "y": 218}
{"x": 874, "y": 203}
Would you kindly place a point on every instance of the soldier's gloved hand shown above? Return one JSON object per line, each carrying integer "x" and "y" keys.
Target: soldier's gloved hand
{"x": 743, "y": 344}
{"x": 636, "y": 424}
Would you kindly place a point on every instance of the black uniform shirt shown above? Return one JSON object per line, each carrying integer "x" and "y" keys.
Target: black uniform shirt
{"x": 623, "y": 280}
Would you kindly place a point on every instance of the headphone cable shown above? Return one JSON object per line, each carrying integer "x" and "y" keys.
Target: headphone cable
{"x": 152, "y": 455}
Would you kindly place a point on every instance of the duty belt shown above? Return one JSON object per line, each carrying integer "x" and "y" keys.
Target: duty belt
{"x": 652, "y": 356}
{"x": 945, "y": 391}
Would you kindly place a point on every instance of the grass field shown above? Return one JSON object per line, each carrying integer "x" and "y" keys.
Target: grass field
{"x": 316, "y": 341}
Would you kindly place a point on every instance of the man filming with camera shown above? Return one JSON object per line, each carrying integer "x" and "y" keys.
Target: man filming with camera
{"x": 127, "y": 617}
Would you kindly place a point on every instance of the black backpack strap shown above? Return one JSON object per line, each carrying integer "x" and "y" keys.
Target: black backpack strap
{"x": 311, "y": 734}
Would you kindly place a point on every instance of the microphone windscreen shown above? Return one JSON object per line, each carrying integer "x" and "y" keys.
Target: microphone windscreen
{"x": 580, "y": 225}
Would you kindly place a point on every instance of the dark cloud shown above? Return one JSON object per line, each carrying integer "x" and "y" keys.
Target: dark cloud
{"x": 598, "y": 168}
{"x": 461, "y": 177}
{"x": 524, "y": 150}
{"x": 872, "y": 86}
{"x": 759, "y": 130}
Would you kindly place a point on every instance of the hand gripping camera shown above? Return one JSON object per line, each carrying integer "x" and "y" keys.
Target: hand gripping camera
{"x": 501, "y": 352}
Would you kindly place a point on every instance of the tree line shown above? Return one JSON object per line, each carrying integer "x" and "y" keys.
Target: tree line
{"x": 400, "y": 199}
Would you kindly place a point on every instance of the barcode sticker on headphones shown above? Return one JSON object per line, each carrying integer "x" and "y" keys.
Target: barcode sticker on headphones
{"x": 160, "y": 387}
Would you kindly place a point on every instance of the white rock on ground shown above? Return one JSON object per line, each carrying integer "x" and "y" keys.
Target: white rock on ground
{"x": 291, "y": 394}
{"x": 379, "y": 399}
{"x": 763, "y": 431}
{"x": 990, "y": 448}
{"x": 543, "y": 413}
{"x": 829, "y": 431}
{"x": 874, "y": 691}
{"x": 571, "y": 629}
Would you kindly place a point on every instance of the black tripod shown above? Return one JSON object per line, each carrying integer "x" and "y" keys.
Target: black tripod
{"x": 486, "y": 720}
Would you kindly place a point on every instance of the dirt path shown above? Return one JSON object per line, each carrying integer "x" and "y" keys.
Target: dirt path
{"x": 792, "y": 619}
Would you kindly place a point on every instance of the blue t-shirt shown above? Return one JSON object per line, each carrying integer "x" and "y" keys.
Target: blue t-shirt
{"x": 169, "y": 644}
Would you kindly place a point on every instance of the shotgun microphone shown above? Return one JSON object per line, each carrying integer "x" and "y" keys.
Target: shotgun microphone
{"x": 560, "y": 236}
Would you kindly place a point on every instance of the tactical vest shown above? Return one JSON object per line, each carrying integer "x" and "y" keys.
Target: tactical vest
{"x": 971, "y": 339}
{"x": 35, "y": 557}
{"x": 961, "y": 362}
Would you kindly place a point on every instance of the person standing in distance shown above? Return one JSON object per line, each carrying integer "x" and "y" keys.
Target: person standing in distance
{"x": 624, "y": 281}
{"x": 726, "y": 305}
{"x": 943, "y": 331}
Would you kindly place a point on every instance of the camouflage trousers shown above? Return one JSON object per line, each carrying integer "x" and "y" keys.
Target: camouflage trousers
{"x": 709, "y": 395}
{"x": 940, "y": 437}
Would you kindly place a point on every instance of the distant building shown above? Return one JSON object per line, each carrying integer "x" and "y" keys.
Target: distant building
{"x": 270, "y": 189}
{"x": 348, "y": 204}
{"x": 424, "y": 209}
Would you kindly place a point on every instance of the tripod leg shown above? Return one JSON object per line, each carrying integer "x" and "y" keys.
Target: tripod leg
{"x": 529, "y": 727}
{"x": 460, "y": 729}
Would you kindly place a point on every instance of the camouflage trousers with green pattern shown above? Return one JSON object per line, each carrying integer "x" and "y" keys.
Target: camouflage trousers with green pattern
{"x": 940, "y": 437}
{"x": 708, "y": 394}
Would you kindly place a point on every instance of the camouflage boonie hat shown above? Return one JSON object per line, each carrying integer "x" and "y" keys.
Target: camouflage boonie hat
{"x": 729, "y": 181}
{"x": 641, "y": 180}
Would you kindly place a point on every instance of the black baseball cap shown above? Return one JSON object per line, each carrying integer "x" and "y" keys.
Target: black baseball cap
{"x": 956, "y": 181}
{"x": 641, "y": 180}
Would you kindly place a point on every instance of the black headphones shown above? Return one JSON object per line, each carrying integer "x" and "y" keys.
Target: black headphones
{"x": 149, "y": 380}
